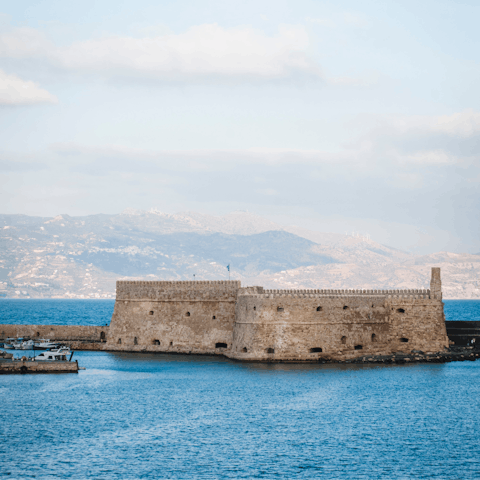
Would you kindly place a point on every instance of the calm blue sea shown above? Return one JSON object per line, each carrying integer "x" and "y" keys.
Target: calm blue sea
{"x": 99, "y": 312}
{"x": 142, "y": 416}
{"x": 55, "y": 312}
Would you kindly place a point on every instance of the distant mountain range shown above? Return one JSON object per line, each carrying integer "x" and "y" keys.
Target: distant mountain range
{"x": 81, "y": 257}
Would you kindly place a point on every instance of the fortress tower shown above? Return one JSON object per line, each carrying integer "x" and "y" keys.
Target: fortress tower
{"x": 436, "y": 284}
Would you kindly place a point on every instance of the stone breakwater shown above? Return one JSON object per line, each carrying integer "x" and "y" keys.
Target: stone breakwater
{"x": 27, "y": 366}
{"x": 77, "y": 337}
{"x": 451, "y": 355}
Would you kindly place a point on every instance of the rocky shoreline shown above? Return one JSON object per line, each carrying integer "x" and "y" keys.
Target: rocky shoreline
{"x": 453, "y": 354}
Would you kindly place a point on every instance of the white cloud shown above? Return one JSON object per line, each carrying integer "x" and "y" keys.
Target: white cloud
{"x": 429, "y": 157}
{"x": 200, "y": 159}
{"x": 423, "y": 140}
{"x": 463, "y": 124}
{"x": 15, "y": 91}
{"x": 203, "y": 51}
{"x": 24, "y": 42}
{"x": 401, "y": 144}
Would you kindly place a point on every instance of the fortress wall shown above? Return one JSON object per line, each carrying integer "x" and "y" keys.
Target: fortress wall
{"x": 421, "y": 321}
{"x": 342, "y": 326}
{"x": 174, "y": 317}
{"x": 261, "y": 324}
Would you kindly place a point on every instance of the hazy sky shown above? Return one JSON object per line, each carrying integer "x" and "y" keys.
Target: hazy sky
{"x": 332, "y": 115}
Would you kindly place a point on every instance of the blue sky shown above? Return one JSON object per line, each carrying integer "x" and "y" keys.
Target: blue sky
{"x": 335, "y": 116}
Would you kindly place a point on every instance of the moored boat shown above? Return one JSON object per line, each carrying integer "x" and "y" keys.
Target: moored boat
{"x": 29, "y": 344}
{"x": 25, "y": 345}
{"x": 51, "y": 356}
{"x": 8, "y": 343}
{"x": 45, "y": 344}
{"x": 5, "y": 355}
{"x": 17, "y": 343}
{"x": 63, "y": 349}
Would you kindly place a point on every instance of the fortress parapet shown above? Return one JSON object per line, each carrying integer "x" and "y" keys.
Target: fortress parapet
{"x": 257, "y": 324}
{"x": 340, "y": 293}
{"x": 347, "y": 292}
{"x": 162, "y": 291}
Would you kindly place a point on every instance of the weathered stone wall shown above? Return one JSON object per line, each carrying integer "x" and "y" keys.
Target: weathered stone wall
{"x": 56, "y": 332}
{"x": 183, "y": 317}
{"x": 25, "y": 366}
{"x": 311, "y": 324}
{"x": 420, "y": 320}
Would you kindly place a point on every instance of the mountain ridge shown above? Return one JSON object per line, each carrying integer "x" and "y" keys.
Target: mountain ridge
{"x": 81, "y": 257}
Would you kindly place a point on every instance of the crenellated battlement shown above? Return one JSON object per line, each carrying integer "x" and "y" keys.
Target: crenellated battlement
{"x": 202, "y": 290}
{"x": 352, "y": 292}
{"x": 306, "y": 295}
{"x": 313, "y": 293}
{"x": 179, "y": 283}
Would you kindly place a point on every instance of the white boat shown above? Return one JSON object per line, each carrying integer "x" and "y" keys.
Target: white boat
{"x": 45, "y": 344}
{"x": 17, "y": 343}
{"x": 13, "y": 342}
{"x": 51, "y": 357}
{"x": 62, "y": 349}
{"x": 8, "y": 343}
{"x": 25, "y": 345}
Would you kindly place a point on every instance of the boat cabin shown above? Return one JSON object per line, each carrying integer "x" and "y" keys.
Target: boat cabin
{"x": 51, "y": 356}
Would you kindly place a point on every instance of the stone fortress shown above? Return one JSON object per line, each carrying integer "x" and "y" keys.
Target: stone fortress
{"x": 253, "y": 324}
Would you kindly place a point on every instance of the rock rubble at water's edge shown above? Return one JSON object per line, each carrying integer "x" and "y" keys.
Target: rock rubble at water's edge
{"x": 453, "y": 354}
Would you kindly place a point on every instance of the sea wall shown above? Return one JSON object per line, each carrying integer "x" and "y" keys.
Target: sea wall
{"x": 78, "y": 337}
{"x": 25, "y": 366}
{"x": 174, "y": 317}
{"x": 461, "y": 333}
{"x": 308, "y": 326}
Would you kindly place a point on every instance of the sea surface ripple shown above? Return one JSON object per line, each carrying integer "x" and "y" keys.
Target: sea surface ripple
{"x": 149, "y": 416}
{"x": 184, "y": 417}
